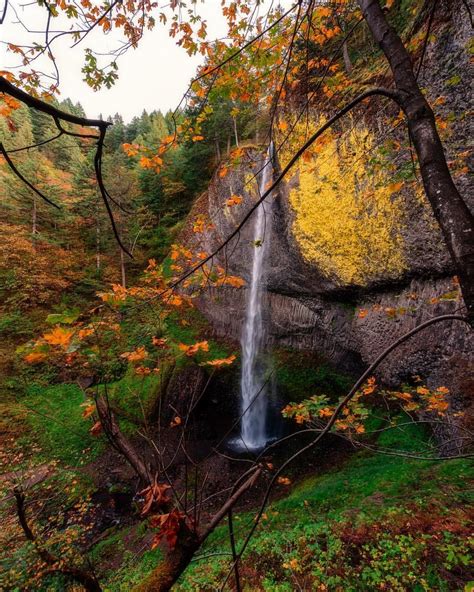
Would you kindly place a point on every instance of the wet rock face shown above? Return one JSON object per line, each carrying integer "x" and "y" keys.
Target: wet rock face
{"x": 351, "y": 322}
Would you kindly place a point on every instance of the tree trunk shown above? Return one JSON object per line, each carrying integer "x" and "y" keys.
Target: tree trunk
{"x": 119, "y": 441}
{"x": 97, "y": 243}
{"x": 173, "y": 565}
{"x": 122, "y": 269}
{"x": 236, "y": 135}
{"x": 347, "y": 59}
{"x": 34, "y": 222}
{"x": 451, "y": 212}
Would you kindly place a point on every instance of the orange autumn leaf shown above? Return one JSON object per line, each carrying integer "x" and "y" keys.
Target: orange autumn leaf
{"x": 197, "y": 138}
{"x": 96, "y": 429}
{"x": 234, "y": 200}
{"x": 175, "y": 300}
{"x": 421, "y": 390}
{"x": 86, "y": 332}
{"x": 323, "y": 12}
{"x": 223, "y": 172}
{"x": 35, "y": 358}
{"x": 394, "y": 187}
{"x": 59, "y": 336}
{"x": 234, "y": 281}
{"x": 131, "y": 149}
{"x": 220, "y": 362}
{"x": 155, "y": 494}
{"x": 190, "y": 350}
{"x": 326, "y": 412}
{"x": 370, "y": 387}
{"x": 176, "y": 422}
{"x": 169, "y": 525}
{"x": 89, "y": 409}
{"x": 135, "y": 356}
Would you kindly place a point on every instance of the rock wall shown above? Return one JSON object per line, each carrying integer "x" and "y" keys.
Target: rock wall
{"x": 356, "y": 260}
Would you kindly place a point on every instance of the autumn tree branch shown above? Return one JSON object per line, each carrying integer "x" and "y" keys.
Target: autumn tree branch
{"x": 56, "y": 565}
{"x": 58, "y": 116}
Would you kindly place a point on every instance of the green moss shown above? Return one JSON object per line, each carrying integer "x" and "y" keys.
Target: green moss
{"x": 308, "y": 533}
{"x": 299, "y": 375}
{"x": 134, "y": 397}
{"x": 15, "y": 324}
{"x": 133, "y": 567}
{"x": 55, "y": 415}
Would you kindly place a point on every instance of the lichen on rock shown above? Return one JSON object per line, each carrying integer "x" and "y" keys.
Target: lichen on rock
{"x": 348, "y": 219}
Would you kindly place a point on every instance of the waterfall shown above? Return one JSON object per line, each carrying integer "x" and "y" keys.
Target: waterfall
{"x": 254, "y": 379}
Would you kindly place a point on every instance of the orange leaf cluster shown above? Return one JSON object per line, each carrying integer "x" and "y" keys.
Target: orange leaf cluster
{"x": 191, "y": 350}
{"x": 234, "y": 200}
{"x": 220, "y": 362}
{"x": 169, "y": 525}
{"x": 89, "y": 409}
{"x": 35, "y": 358}
{"x": 135, "y": 356}
{"x": 59, "y": 336}
{"x": 155, "y": 494}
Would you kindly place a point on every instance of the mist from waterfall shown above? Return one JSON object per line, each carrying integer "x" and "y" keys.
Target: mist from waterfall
{"x": 254, "y": 379}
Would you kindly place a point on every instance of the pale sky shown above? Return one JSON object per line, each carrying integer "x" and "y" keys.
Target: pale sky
{"x": 154, "y": 76}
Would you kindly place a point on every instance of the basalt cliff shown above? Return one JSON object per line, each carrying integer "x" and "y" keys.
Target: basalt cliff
{"x": 356, "y": 258}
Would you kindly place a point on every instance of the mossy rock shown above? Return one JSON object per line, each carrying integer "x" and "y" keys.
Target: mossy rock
{"x": 136, "y": 397}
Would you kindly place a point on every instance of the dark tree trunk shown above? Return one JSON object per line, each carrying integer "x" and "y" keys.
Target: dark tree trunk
{"x": 451, "y": 212}
{"x": 347, "y": 59}
{"x": 119, "y": 441}
{"x": 189, "y": 541}
{"x": 163, "y": 577}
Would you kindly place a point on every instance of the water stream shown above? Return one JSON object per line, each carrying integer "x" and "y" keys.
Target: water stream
{"x": 254, "y": 379}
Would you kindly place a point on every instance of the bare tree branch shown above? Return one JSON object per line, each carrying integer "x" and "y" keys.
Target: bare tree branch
{"x": 87, "y": 580}
{"x": 22, "y": 178}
